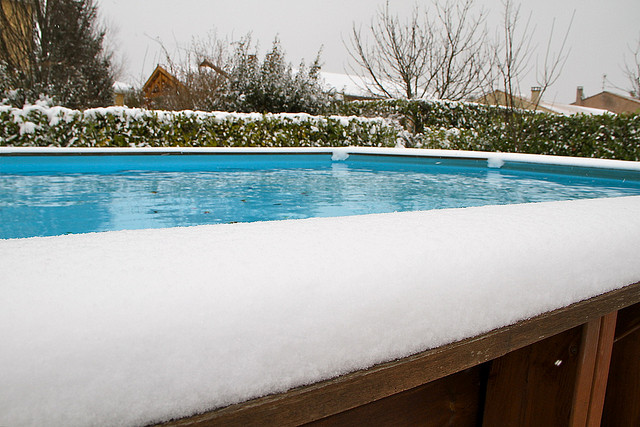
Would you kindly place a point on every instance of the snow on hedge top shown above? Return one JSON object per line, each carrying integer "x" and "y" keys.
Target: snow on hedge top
{"x": 56, "y": 113}
{"x": 131, "y": 327}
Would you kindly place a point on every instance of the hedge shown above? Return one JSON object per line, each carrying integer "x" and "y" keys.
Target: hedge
{"x": 468, "y": 126}
{"x": 123, "y": 127}
{"x": 422, "y": 124}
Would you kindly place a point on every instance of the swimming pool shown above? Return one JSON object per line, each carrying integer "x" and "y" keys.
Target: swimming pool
{"x": 54, "y": 192}
{"x": 136, "y": 327}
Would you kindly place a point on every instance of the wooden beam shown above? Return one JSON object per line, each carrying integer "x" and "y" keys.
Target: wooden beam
{"x": 454, "y": 400}
{"x": 209, "y": 64}
{"x": 586, "y": 368}
{"x": 316, "y": 401}
{"x": 601, "y": 369}
{"x": 533, "y": 386}
{"x": 621, "y": 406}
{"x": 593, "y": 371}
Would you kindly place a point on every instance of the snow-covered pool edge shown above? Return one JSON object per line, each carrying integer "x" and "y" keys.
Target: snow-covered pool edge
{"x": 129, "y": 327}
{"x": 494, "y": 159}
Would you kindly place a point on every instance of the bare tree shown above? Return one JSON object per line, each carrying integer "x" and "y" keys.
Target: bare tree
{"x": 511, "y": 54}
{"x": 632, "y": 70}
{"x": 548, "y": 72}
{"x": 514, "y": 55}
{"x": 438, "y": 54}
{"x": 461, "y": 51}
{"x": 198, "y": 68}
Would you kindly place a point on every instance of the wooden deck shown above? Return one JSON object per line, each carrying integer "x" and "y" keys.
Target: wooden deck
{"x": 576, "y": 366}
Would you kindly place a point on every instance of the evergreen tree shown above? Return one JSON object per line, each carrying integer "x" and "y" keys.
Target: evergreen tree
{"x": 272, "y": 85}
{"x": 63, "y": 58}
{"x": 309, "y": 95}
{"x": 241, "y": 78}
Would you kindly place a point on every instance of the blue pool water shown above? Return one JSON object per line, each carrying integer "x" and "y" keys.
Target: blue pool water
{"x": 53, "y": 195}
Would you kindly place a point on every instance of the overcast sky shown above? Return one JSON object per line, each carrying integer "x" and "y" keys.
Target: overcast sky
{"x": 601, "y": 34}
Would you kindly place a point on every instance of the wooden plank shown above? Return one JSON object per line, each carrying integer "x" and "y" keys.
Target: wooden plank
{"x": 622, "y": 406}
{"x": 601, "y": 374}
{"x": 316, "y": 401}
{"x": 628, "y": 322}
{"x": 593, "y": 371}
{"x": 533, "y": 386}
{"x": 585, "y": 375}
{"x": 452, "y": 400}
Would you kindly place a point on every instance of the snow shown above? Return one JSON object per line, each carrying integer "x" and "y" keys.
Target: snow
{"x": 495, "y": 162}
{"x": 357, "y": 85}
{"x": 137, "y": 113}
{"x": 498, "y": 159}
{"x": 345, "y": 84}
{"x": 56, "y": 113}
{"x": 122, "y": 87}
{"x": 131, "y": 327}
{"x": 27, "y": 127}
{"x": 570, "y": 110}
{"x": 340, "y": 154}
{"x": 494, "y": 159}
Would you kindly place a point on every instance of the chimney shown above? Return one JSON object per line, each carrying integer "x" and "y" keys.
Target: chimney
{"x": 535, "y": 94}
{"x": 579, "y": 95}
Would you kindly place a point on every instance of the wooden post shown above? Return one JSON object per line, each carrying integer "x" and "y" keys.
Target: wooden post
{"x": 593, "y": 371}
{"x": 623, "y": 386}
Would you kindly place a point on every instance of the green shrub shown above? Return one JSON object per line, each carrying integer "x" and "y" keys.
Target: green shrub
{"x": 124, "y": 127}
{"x": 422, "y": 124}
{"x": 467, "y": 126}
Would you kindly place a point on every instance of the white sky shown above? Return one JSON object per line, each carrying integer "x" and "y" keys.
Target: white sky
{"x": 600, "y": 37}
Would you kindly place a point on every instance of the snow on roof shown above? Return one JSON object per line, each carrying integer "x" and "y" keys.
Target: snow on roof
{"x": 122, "y": 87}
{"x": 134, "y": 327}
{"x": 345, "y": 84}
{"x": 569, "y": 110}
{"x": 356, "y": 86}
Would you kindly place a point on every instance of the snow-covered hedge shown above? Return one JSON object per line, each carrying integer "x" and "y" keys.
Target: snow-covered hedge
{"x": 467, "y": 126}
{"x": 38, "y": 125}
{"x": 422, "y": 124}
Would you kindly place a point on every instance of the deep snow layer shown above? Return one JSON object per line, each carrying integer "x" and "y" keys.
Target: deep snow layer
{"x": 129, "y": 327}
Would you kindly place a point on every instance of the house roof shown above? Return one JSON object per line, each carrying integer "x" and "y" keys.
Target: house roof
{"x": 159, "y": 74}
{"x": 499, "y": 97}
{"x": 611, "y": 101}
{"x": 616, "y": 95}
